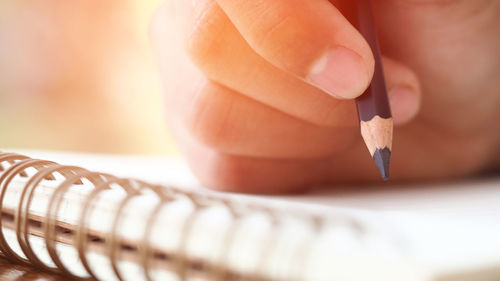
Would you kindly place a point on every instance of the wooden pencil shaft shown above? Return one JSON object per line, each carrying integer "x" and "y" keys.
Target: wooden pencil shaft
{"x": 374, "y": 100}
{"x": 373, "y": 105}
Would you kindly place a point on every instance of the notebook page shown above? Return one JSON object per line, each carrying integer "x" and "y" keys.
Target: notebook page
{"x": 470, "y": 199}
{"x": 440, "y": 222}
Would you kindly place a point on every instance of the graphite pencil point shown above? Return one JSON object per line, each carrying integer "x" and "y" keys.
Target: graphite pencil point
{"x": 382, "y": 158}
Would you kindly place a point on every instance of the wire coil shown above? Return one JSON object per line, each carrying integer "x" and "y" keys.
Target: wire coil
{"x": 75, "y": 176}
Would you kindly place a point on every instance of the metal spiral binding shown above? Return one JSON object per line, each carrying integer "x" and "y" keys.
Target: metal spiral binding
{"x": 73, "y": 176}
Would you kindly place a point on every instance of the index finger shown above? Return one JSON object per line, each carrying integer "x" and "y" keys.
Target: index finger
{"x": 310, "y": 39}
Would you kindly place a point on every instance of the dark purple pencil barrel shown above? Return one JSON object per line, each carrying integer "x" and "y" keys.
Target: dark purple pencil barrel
{"x": 374, "y": 100}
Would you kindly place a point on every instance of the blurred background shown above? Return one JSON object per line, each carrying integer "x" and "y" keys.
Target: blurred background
{"x": 80, "y": 75}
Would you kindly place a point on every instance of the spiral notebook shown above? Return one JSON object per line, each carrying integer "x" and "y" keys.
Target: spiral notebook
{"x": 117, "y": 225}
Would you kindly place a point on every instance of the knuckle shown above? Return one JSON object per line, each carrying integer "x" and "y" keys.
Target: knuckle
{"x": 276, "y": 35}
{"x": 278, "y": 38}
{"x": 271, "y": 28}
{"x": 200, "y": 46}
{"x": 202, "y": 41}
{"x": 207, "y": 118}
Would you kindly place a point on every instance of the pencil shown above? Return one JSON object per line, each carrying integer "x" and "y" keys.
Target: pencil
{"x": 373, "y": 105}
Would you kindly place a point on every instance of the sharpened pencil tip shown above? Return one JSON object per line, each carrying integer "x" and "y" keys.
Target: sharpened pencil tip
{"x": 382, "y": 159}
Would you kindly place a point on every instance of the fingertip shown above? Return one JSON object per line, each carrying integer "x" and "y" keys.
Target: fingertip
{"x": 403, "y": 90}
{"x": 405, "y": 103}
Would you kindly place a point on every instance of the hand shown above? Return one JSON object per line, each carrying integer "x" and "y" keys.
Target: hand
{"x": 260, "y": 94}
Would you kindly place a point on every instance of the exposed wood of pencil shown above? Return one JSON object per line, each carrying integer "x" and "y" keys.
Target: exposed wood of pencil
{"x": 373, "y": 106}
{"x": 377, "y": 133}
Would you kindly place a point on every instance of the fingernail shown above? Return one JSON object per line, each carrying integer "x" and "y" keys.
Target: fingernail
{"x": 404, "y": 103}
{"x": 341, "y": 73}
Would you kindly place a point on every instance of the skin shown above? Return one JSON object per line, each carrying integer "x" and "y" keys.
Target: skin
{"x": 249, "y": 115}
